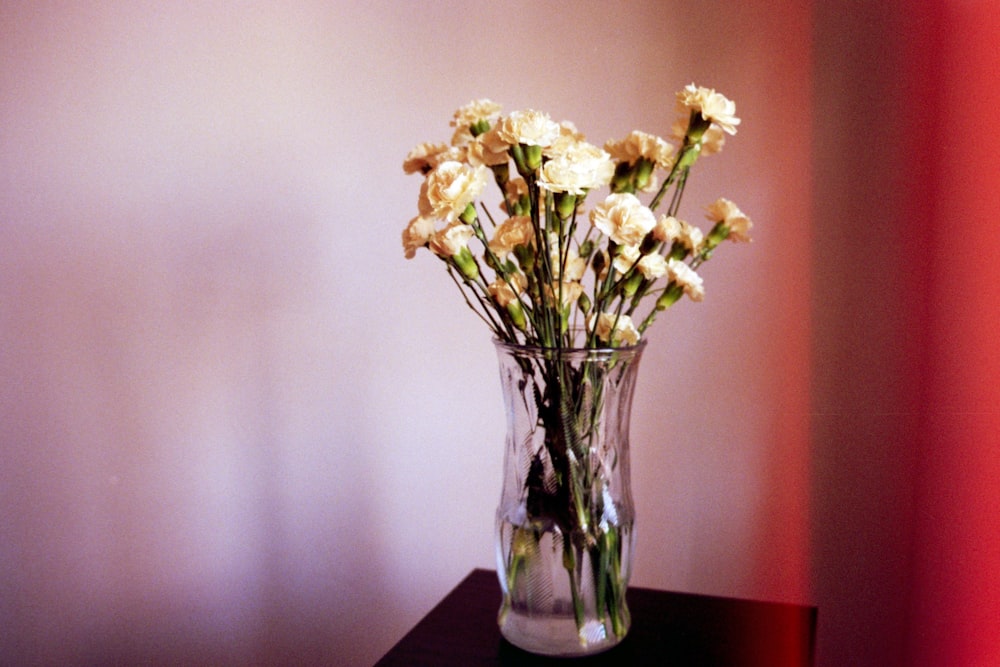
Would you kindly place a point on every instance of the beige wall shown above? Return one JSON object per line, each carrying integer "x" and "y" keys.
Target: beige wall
{"x": 238, "y": 426}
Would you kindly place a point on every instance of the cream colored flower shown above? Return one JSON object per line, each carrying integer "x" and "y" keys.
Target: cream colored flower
{"x": 667, "y": 229}
{"x": 515, "y": 191}
{"x": 488, "y": 149}
{"x": 600, "y": 263}
{"x": 712, "y": 141}
{"x": 613, "y": 329}
{"x": 574, "y": 266}
{"x": 712, "y": 106}
{"x": 626, "y": 258}
{"x": 512, "y": 232}
{"x": 416, "y": 235}
{"x": 478, "y": 114}
{"x": 652, "y": 183}
{"x": 423, "y": 157}
{"x": 623, "y": 218}
{"x": 424, "y": 207}
{"x": 504, "y": 291}
{"x": 568, "y": 137}
{"x": 475, "y": 111}
{"x": 690, "y": 236}
{"x": 640, "y": 145}
{"x": 652, "y": 266}
{"x": 726, "y": 212}
{"x": 529, "y": 127}
{"x": 567, "y": 128}
{"x": 679, "y": 128}
{"x": 687, "y": 278}
{"x": 453, "y": 186}
{"x": 567, "y": 291}
{"x": 578, "y": 168}
{"x": 516, "y": 188}
{"x": 450, "y": 240}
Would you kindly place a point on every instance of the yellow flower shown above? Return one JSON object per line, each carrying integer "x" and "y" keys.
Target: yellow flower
{"x": 416, "y": 235}
{"x": 626, "y": 257}
{"x": 687, "y": 278}
{"x": 640, "y": 145}
{"x": 575, "y": 266}
{"x": 713, "y": 107}
{"x": 450, "y": 240}
{"x": 472, "y": 120}
{"x": 504, "y": 292}
{"x": 652, "y": 266}
{"x": 669, "y": 229}
{"x": 712, "y": 140}
{"x": 529, "y": 127}
{"x": 578, "y": 168}
{"x": 512, "y": 232}
{"x": 488, "y": 149}
{"x": 736, "y": 222}
{"x": 570, "y": 291}
{"x": 613, "y": 329}
{"x": 475, "y": 111}
{"x": 623, "y": 218}
{"x": 423, "y": 157}
{"x": 452, "y": 186}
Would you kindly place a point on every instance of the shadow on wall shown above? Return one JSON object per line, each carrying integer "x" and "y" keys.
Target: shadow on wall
{"x": 172, "y": 489}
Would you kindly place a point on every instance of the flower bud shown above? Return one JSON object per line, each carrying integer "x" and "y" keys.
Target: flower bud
{"x": 599, "y": 263}
{"x": 532, "y": 156}
{"x": 648, "y": 244}
{"x": 697, "y": 125}
{"x": 517, "y": 152}
{"x": 719, "y": 233}
{"x": 569, "y": 560}
{"x": 632, "y": 284}
{"x": 525, "y": 204}
{"x": 501, "y": 174}
{"x": 688, "y": 156}
{"x": 669, "y": 296}
{"x": 678, "y": 250}
{"x": 527, "y": 158}
{"x": 466, "y": 263}
{"x": 516, "y": 313}
{"x": 468, "y": 216}
{"x": 565, "y": 205}
{"x": 643, "y": 172}
{"x": 480, "y": 126}
{"x": 525, "y": 257}
{"x": 622, "y": 179}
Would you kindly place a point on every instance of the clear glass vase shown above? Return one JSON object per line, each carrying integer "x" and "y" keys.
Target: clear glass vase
{"x": 564, "y": 534}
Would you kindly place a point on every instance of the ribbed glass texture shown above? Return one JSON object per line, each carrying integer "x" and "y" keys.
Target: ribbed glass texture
{"x": 564, "y": 524}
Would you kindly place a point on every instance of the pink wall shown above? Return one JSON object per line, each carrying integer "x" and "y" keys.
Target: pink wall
{"x": 956, "y": 574}
{"x": 235, "y": 423}
{"x": 905, "y": 433}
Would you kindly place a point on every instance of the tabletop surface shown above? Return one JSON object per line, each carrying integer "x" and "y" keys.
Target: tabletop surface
{"x": 668, "y": 628}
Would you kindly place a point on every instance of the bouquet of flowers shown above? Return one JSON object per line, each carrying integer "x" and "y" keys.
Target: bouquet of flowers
{"x": 539, "y": 252}
{"x": 546, "y": 273}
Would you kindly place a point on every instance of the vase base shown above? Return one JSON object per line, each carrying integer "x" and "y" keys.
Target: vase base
{"x": 556, "y": 636}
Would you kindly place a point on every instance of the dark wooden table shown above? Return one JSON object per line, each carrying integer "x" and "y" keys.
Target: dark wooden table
{"x": 667, "y": 629}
